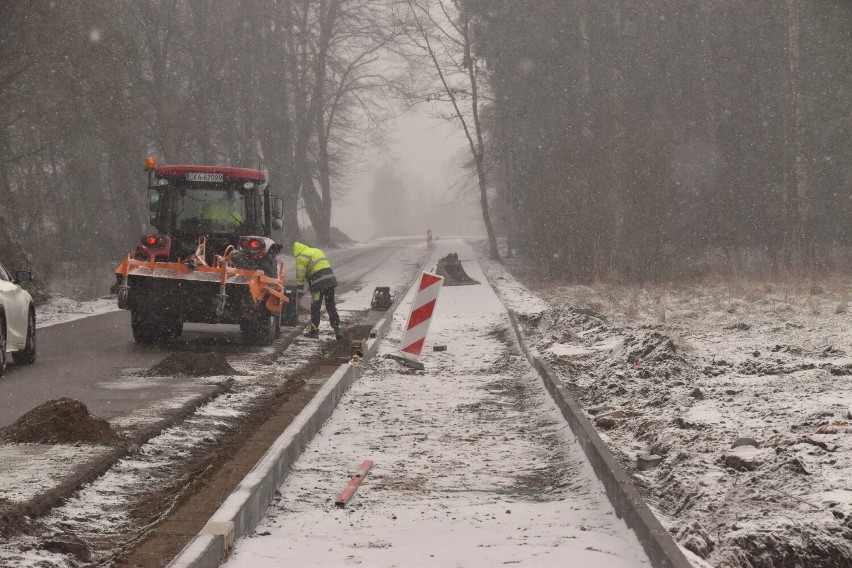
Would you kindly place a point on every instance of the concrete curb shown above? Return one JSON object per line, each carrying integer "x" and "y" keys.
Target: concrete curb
{"x": 657, "y": 542}
{"x": 247, "y": 504}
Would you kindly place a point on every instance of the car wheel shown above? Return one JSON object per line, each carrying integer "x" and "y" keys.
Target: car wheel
{"x": 2, "y": 346}
{"x": 27, "y": 355}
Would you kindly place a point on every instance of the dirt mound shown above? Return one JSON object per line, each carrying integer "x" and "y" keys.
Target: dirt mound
{"x": 192, "y": 365}
{"x": 762, "y": 367}
{"x": 60, "y": 421}
{"x": 652, "y": 346}
{"x": 450, "y": 267}
{"x": 798, "y": 546}
{"x": 579, "y": 319}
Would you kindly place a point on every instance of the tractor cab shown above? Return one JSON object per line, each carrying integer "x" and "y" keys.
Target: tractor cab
{"x": 219, "y": 203}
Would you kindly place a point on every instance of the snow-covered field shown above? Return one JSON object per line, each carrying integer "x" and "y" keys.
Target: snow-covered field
{"x": 474, "y": 465}
{"x": 687, "y": 373}
{"x": 461, "y": 475}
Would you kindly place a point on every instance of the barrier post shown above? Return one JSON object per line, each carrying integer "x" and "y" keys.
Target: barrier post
{"x": 420, "y": 316}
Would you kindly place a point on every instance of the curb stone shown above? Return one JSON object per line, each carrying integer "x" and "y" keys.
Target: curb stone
{"x": 661, "y": 548}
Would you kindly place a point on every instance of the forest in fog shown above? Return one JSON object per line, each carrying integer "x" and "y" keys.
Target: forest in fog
{"x": 89, "y": 89}
{"x": 620, "y": 139}
{"x": 656, "y": 138}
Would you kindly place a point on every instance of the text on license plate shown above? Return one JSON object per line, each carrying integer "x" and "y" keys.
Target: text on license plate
{"x": 204, "y": 177}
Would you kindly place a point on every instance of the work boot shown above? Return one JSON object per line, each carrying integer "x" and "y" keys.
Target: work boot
{"x": 337, "y": 335}
{"x": 312, "y": 334}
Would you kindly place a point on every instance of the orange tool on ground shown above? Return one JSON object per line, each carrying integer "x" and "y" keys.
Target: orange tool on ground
{"x": 356, "y": 480}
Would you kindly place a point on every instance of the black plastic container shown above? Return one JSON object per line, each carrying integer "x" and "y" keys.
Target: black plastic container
{"x": 290, "y": 316}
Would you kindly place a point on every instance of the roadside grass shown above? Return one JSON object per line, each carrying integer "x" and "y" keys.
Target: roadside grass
{"x": 719, "y": 297}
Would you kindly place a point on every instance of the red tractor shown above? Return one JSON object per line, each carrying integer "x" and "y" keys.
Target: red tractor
{"x": 212, "y": 260}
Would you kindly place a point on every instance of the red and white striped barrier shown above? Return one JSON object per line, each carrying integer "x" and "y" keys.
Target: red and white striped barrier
{"x": 421, "y": 313}
{"x": 356, "y": 480}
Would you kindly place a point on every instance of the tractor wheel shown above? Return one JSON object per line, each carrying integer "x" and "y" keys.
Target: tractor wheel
{"x": 260, "y": 331}
{"x": 172, "y": 328}
{"x": 144, "y": 330}
{"x": 27, "y": 355}
{"x": 2, "y": 345}
{"x": 151, "y": 329}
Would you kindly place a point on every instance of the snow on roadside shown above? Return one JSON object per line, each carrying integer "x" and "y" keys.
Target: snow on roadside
{"x": 474, "y": 465}
{"x": 59, "y": 309}
{"x": 684, "y": 373}
{"x": 48, "y": 466}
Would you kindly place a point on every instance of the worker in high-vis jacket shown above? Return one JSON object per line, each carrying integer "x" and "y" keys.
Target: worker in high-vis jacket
{"x": 313, "y": 267}
{"x": 224, "y": 213}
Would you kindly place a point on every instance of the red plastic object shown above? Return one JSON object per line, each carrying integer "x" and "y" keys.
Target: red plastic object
{"x": 347, "y": 493}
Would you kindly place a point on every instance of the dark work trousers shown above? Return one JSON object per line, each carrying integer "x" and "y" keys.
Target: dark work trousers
{"x": 330, "y": 307}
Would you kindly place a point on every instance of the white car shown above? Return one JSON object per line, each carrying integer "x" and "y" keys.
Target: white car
{"x": 17, "y": 319}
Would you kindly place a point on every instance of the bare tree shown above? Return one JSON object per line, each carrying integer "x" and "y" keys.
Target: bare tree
{"x": 446, "y": 70}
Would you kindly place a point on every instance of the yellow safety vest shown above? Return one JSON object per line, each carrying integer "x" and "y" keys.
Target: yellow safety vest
{"x": 311, "y": 264}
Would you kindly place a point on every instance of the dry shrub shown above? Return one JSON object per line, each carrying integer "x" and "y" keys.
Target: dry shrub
{"x": 611, "y": 296}
{"x": 755, "y": 294}
{"x": 681, "y": 343}
{"x": 684, "y": 314}
{"x": 632, "y": 310}
{"x": 582, "y": 295}
{"x": 813, "y": 307}
{"x": 843, "y": 306}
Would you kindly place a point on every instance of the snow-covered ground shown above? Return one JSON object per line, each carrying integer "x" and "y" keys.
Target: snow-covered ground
{"x": 98, "y": 514}
{"x": 685, "y": 373}
{"x": 59, "y": 309}
{"x": 682, "y": 373}
{"x": 474, "y": 465}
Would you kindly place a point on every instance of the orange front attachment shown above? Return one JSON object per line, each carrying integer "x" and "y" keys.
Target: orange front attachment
{"x": 259, "y": 284}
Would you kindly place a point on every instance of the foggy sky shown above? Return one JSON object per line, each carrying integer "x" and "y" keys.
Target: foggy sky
{"x": 427, "y": 154}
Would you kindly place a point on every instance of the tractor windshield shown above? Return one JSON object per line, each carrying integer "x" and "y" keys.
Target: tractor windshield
{"x": 206, "y": 207}
{"x": 216, "y": 210}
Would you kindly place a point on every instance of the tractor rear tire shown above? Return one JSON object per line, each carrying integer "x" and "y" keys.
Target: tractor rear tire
{"x": 261, "y": 331}
{"x": 150, "y": 329}
{"x": 173, "y": 328}
{"x": 143, "y": 329}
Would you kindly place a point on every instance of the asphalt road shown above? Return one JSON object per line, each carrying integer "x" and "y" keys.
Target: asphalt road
{"x": 87, "y": 358}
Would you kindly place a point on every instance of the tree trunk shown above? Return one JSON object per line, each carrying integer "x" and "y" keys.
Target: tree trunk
{"x": 798, "y": 178}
